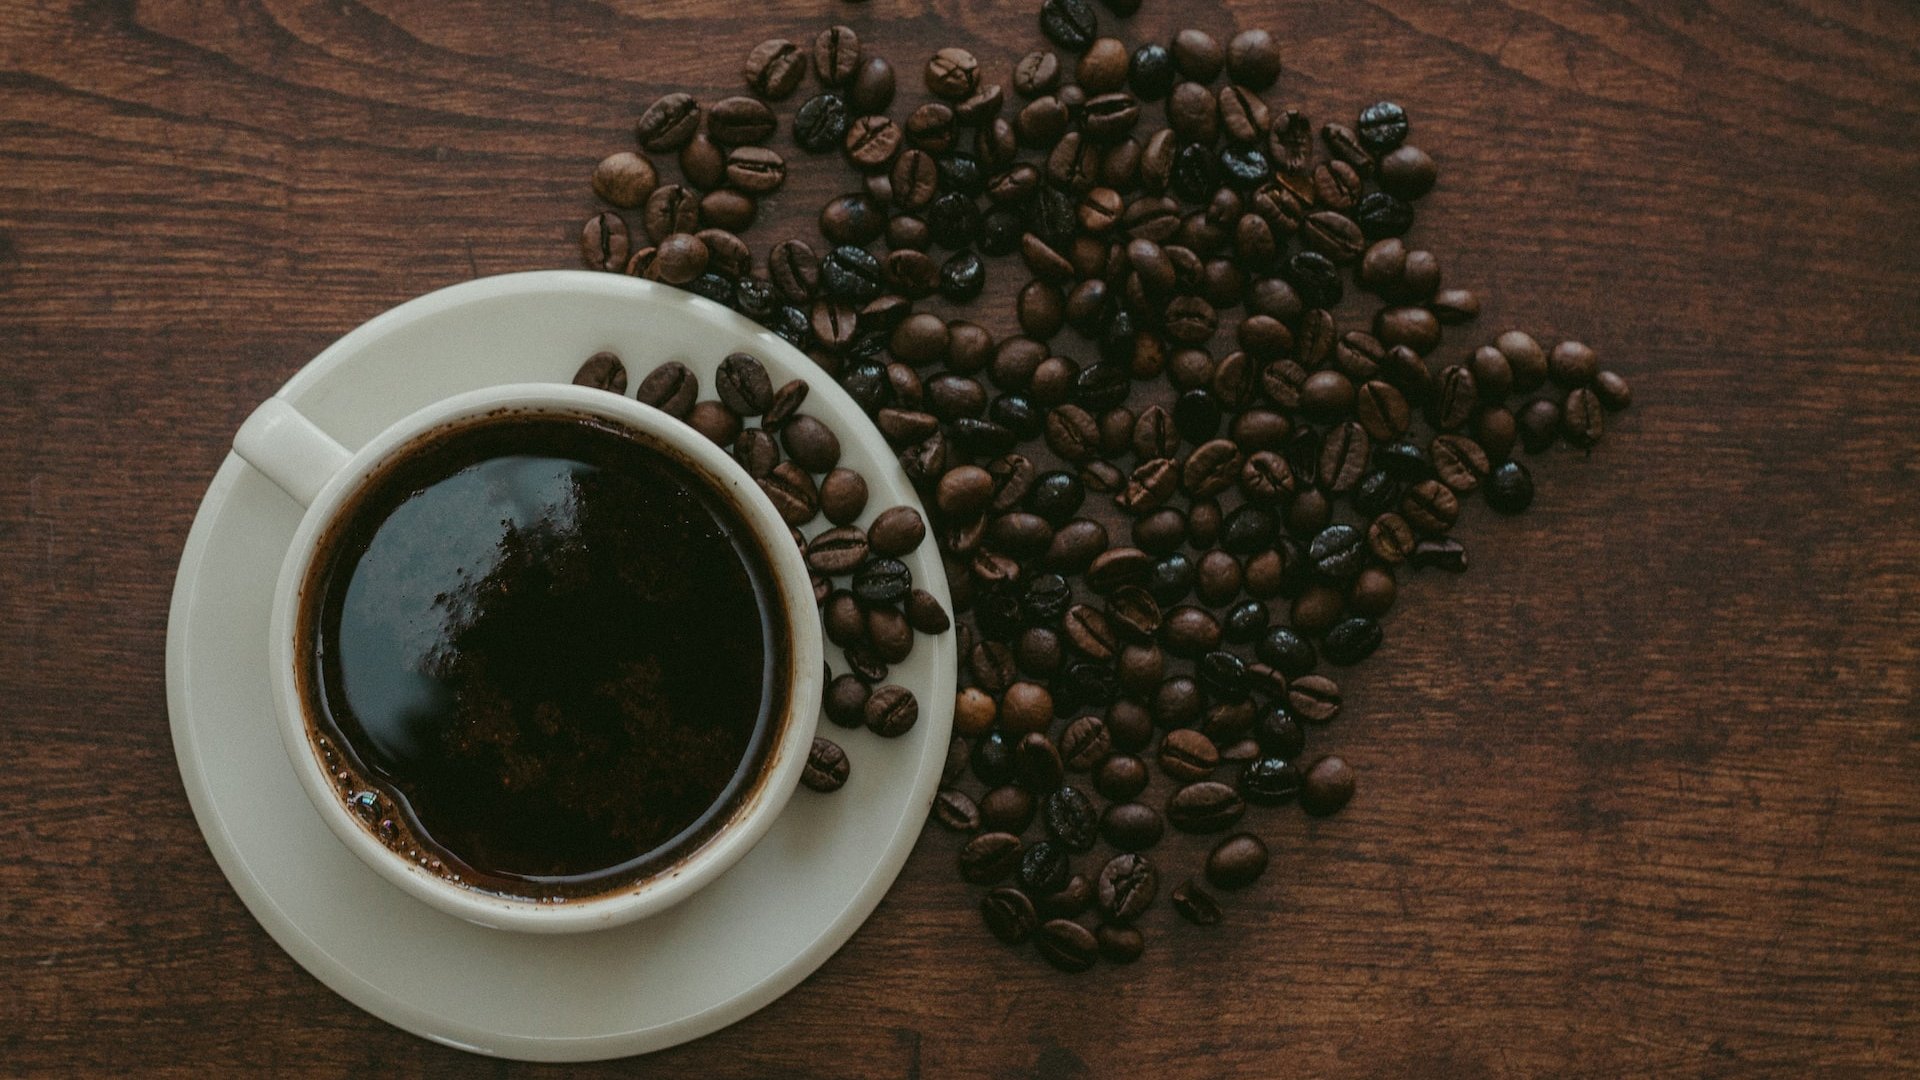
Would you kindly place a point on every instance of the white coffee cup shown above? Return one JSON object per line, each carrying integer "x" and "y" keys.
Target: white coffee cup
{"x": 323, "y": 476}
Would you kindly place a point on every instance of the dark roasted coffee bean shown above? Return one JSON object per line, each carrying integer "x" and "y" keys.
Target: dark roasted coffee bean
{"x": 821, "y": 122}
{"x": 1382, "y": 215}
{"x": 669, "y": 122}
{"x": 1510, "y": 488}
{"x": 1382, "y": 127}
{"x": 882, "y": 580}
{"x": 1070, "y": 818}
{"x": 992, "y": 761}
{"x": 990, "y": 857}
{"x": 774, "y": 68}
{"x": 1238, "y": 861}
{"x": 850, "y": 273}
{"x": 827, "y": 767}
{"x": 962, "y": 277}
{"x": 1150, "y": 72}
{"x": 1009, "y": 915}
{"x": 1377, "y": 493}
{"x": 1248, "y": 529}
{"x": 1271, "y": 781}
{"x": 1442, "y": 554}
{"x": 1244, "y": 168}
{"x": 1338, "y": 552}
{"x": 1315, "y": 278}
{"x": 1044, "y": 868}
{"x": 1351, "y": 640}
{"x": 1069, "y": 24}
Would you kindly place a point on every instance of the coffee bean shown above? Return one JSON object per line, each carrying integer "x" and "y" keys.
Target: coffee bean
{"x": 1187, "y": 755}
{"x": 1044, "y": 868}
{"x": 952, "y": 73}
{"x": 671, "y": 388}
{"x": 1328, "y": 786}
{"x": 1582, "y": 418}
{"x": 1025, "y": 707}
{"x": 955, "y": 810}
{"x": 990, "y": 857}
{"x": 755, "y": 169}
{"x": 925, "y": 614}
{"x": 1237, "y": 861}
{"x": 1121, "y": 776}
{"x": 1065, "y": 944}
{"x": 774, "y": 69}
{"x": 896, "y": 531}
{"x": 1613, "y": 391}
{"x": 1194, "y": 114}
{"x": 1204, "y": 806}
{"x": 837, "y": 551}
{"x": 625, "y": 179}
{"x": 1198, "y": 56}
{"x": 1458, "y": 462}
{"x": 1070, "y": 817}
{"x": 1253, "y": 59}
{"x": 892, "y": 711}
{"x": 1127, "y": 886}
{"x": 1430, "y": 507}
{"x": 1195, "y": 904}
{"x": 827, "y": 767}
{"x": 669, "y": 122}
{"x": 1314, "y": 698}
{"x": 871, "y": 142}
{"x": 1351, "y": 640}
{"x": 1344, "y": 456}
{"x": 1334, "y": 235}
{"x": 680, "y": 258}
{"x": 1036, "y": 759}
{"x": 1539, "y": 425}
{"x": 836, "y": 55}
{"x": 1068, "y": 901}
{"x": 1273, "y": 780}
{"x": 604, "y": 371}
{"x": 1069, "y": 24}
{"x": 811, "y": 444}
{"x": 1572, "y": 364}
{"x": 821, "y": 122}
{"x": 1009, "y": 915}
{"x": 604, "y": 242}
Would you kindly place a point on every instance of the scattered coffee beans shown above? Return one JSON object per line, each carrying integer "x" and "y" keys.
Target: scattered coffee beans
{"x": 1189, "y": 378}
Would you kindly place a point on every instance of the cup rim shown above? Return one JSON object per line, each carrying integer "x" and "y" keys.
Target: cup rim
{"x": 708, "y": 858}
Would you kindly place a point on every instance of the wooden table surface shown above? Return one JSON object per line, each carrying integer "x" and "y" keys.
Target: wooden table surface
{"x": 1638, "y": 793}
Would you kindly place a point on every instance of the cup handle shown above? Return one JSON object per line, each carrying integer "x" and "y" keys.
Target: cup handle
{"x": 289, "y": 450}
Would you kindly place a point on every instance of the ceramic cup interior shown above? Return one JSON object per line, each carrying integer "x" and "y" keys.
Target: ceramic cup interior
{"x": 325, "y": 477}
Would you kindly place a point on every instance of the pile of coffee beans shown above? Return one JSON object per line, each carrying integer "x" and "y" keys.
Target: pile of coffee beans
{"x": 795, "y": 458}
{"x": 1181, "y": 480}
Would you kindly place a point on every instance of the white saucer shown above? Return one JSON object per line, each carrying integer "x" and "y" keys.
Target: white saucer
{"x": 739, "y": 944}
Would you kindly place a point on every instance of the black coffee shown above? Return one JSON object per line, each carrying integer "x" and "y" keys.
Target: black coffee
{"x": 553, "y": 656}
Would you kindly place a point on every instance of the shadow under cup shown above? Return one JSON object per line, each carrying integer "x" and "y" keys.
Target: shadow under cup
{"x": 543, "y": 656}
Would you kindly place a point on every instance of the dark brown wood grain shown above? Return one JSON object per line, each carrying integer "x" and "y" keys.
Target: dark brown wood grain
{"x": 1640, "y": 794}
